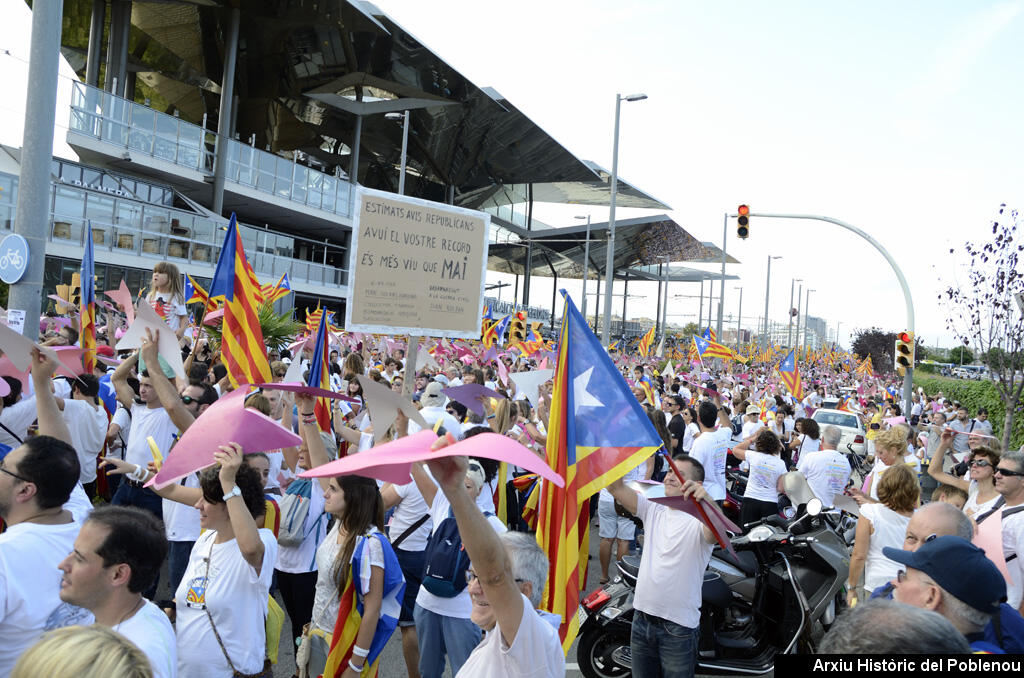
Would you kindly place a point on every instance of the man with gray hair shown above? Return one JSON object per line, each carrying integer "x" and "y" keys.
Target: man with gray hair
{"x": 886, "y": 627}
{"x": 827, "y": 470}
{"x": 506, "y": 580}
{"x": 936, "y": 579}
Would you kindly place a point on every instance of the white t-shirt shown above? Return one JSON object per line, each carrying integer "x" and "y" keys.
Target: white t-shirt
{"x": 1013, "y": 543}
{"x": 17, "y": 417}
{"x": 325, "y": 599}
{"x": 827, "y": 473}
{"x": 30, "y": 587}
{"x": 689, "y": 433}
{"x": 148, "y": 422}
{"x": 763, "y": 477}
{"x": 124, "y": 423}
{"x": 431, "y": 415}
{"x": 411, "y": 508}
{"x": 276, "y": 459}
{"x": 237, "y": 599}
{"x": 302, "y": 558}
{"x": 171, "y": 311}
{"x": 710, "y": 449}
{"x": 889, "y": 529}
{"x": 749, "y": 429}
{"x": 972, "y": 507}
{"x": 460, "y": 606}
{"x": 181, "y": 522}
{"x": 672, "y": 564}
{"x": 152, "y": 633}
{"x": 636, "y": 473}
{"x": 536, "y": 651}
{"x": 88, "y": 427}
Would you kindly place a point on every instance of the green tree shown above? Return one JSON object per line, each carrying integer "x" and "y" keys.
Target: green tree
{"x": 987, "y": 310}
{"x": 689, "y": 329}
{"x": 961, "y": 355}
{"x": 878, "y": 344}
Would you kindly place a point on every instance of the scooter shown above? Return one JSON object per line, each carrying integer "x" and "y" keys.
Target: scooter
{"x": 784, "y": 586}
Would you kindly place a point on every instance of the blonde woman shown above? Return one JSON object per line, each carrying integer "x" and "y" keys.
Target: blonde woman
{"x": 84, "y": 652}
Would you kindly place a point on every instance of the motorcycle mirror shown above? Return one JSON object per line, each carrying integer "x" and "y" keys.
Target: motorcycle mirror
{"x": 814, "y": 507}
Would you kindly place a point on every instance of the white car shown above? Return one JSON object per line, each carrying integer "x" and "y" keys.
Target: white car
{"x": 849, "y": 425}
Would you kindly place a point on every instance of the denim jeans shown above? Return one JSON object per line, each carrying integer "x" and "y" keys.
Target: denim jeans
{"x": 662, "y": 649}
{"x": 178, "y": 553}
{"x": 439, "y": 635}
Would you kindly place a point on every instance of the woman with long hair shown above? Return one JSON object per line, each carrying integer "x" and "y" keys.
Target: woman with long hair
{"x": 356, "y": 567}
{"x": 761, "y": 496}
{"x": 980, "y": 484}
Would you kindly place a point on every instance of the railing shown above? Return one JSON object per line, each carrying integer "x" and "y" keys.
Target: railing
{"x": 135, "y": 127}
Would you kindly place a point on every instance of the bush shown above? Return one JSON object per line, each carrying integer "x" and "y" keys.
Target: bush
{"x": 972, "y": 395}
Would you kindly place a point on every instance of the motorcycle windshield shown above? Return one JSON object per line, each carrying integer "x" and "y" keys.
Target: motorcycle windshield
{"x": 796, "y": 488}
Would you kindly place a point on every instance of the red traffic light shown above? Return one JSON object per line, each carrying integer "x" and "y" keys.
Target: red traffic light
{"x": 742, "y": 210}
{"x": 521, "y": 316}
{"x": 904, "y": 337}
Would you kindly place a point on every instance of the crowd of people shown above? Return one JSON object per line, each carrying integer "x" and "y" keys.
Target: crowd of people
{"x": 352, "y": 560}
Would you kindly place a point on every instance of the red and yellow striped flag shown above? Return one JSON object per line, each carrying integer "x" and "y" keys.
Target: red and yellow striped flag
{"x": 645, "y": 342}
{"x": 242, "y": 347}
{"x": 87, "y": 337}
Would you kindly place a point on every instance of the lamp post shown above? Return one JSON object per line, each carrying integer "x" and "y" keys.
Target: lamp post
{"x": 404, "y": 117}
{"x": 799, "y": 303}
{"x": 739, "y": 316}
{"x": 767, "y": 287}
{"x": 789, "y": 313}
{"x": 610, "y": 257}
{"x": 586, "y": 266}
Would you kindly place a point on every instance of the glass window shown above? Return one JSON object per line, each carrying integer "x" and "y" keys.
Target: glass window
{"x": 141, "y": 135}
{"x": 99, "y": 208}
{"x": 156, "y": 220}
{"x": 69, "y": 202}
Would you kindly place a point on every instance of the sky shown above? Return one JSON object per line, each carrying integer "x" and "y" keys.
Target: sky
{"x": 902, "y": 119}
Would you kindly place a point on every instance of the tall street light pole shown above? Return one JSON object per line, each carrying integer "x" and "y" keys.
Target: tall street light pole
{"x": 807, "y": 306}
{"x": 609, "y": 265}
{"x": 404, "y": 117}
{"x": 799, "y": 303}
{"x": 586, "y": 266}
{"x": 767, "y": 287}
{"x": 789, "y": 313}
{"x": 739, "y": 316}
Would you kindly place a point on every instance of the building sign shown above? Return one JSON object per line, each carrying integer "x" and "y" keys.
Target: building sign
{"x": 13, "y": 258}
{"x": 417, "y": 267}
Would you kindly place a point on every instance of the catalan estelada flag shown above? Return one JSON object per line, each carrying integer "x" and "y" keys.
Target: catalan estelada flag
{"x": 194, "y": 292}
{"x": 350, "y": 611}
{"x": 88, "y": 308}
{"x": 790, "y": 374}
{"x": 596, "y": 434}
{"x": 645, "y": 342}
{"x": 278, "y": 290}
{"x": 320, "y": 373}
{"x": 495, "y": 331}
{"x": 709, "y": 348}
{"x": 709, "y": 334}
{"x": 242, "y": 347}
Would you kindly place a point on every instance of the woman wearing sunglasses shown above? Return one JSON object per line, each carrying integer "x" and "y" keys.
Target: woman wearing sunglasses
{"x": 980, "y": 482}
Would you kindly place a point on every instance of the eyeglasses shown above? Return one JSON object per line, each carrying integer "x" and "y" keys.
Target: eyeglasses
{"x": 1007, "y": 472}
{"x": 980, "y": 463}
{"x": 13, "y": 474}
{"x": 471, "y": 577}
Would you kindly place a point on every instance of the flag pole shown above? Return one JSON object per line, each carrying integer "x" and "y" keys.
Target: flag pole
{"x": 703, "y": 513}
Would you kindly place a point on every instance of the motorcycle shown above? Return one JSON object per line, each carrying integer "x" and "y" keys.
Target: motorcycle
{"x": 782, "y": 588}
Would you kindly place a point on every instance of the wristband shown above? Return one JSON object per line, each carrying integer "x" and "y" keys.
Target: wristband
{"x": 308, "y": 414}
{"x": 359, "y": 652}
{"x": 139, "y": 474}
{"x": 357, "y": 669}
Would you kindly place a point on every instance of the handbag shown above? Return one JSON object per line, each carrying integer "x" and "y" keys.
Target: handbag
{"x": 266, "y": 671}
{"x": 313, "y": 644}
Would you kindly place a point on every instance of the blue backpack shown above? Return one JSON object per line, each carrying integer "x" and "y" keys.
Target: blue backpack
{"x": 445, "y": 560}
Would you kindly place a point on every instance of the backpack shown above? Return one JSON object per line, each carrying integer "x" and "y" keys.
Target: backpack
{"x": 445, "y": 561}
{"x": 294, "y": 507}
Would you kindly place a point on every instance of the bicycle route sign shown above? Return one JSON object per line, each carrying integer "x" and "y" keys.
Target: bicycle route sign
{"x": 13, "y": 258}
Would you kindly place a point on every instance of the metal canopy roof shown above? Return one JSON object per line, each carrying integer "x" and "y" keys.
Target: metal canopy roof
{"x": 290, "y": 52}
{"x": 639, "y": 242}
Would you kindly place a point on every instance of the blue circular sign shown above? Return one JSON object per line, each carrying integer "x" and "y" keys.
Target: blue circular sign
{"x": 13, "y": 258}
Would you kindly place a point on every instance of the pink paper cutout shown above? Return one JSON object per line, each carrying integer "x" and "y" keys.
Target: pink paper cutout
{"x": 392, "y": 462}
{"x": 226, "y": 420}
{"x": 213, "y": 317}
{"x": 7, "y": 368}
{"x": 470, "y": 395}
{"x": 69, "y": 360}
{"x": 298, "y": 387}
{"x": 123, "y": 296}
{"x": 543, "y": 364}
{"x": 718, "y": 524}
{"x": 503, "y": 372}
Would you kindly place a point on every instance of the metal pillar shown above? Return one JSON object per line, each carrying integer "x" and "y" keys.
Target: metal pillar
{"x": 529, "y": 246}
{"x": 700, "y": 311}
{"x": 33, "y": 217}
{"x": 721, "y": 286}
{"x": 353, "y": 172}
{"x": 597, "y": 303}
{"x": 625, "y": 300}
{"x": 405, "y": 151}
{"x": 789, "y": 314}
{"x": 807, "y": 307}
{"x": 113, "y": 46}
{"x": 554, "y": 296}
{"x": 92, "y": 59}
{"x": 586, "y": 270}
{"x": 664, "y": 308}
{"x": 739, "y": 318}
{"x": 799, "y": 301}
{"x": 657, "y": 312}
{"x": 227, "y": 91}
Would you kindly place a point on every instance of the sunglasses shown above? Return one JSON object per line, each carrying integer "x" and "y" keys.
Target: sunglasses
{"x": 1007, "y": 472}
{"x": 13, "y": 474}
{"x": 980, "y": 463}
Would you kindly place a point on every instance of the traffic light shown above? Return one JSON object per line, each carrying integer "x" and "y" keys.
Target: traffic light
{"x": 743, "y": 221}
{"x": 904, "y": 351}
{"x": 517, "y": 329}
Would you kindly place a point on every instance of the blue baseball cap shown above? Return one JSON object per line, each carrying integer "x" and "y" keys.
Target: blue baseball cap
{"x": 959, "y": 567}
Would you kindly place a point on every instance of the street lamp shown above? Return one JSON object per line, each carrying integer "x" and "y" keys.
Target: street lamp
{"x": 586, "y": 265}
{"x": 610, "y": 257}
{"x": 739, "y": 315}
{"x": 404, "y": 117}
{"x": 767, "y": 286}
{"x": 799, "y": 303}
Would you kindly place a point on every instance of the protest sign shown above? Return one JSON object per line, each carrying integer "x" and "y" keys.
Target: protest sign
{"x": 417, "y": 267}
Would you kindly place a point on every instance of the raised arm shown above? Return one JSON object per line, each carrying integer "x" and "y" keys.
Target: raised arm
{"x": 169, "y": 397}
{"x": 119, "y": 380}
{"x": 935, "y": 465}
{"x": 51, "y": 423}
{"x": 311, "y": 434}
{"x": 489, "y": 559}
{"x": 247, "y": 534}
